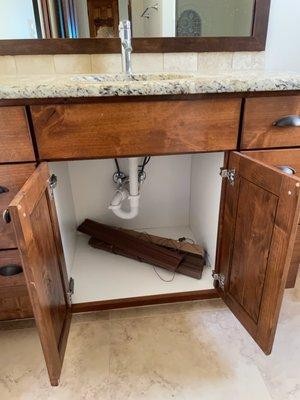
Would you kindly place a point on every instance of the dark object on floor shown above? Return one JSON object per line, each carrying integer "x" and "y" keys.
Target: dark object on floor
{"x": 191, "y": 265}
{"x": 135, "y": 248}
{"x": 182, "y": 244}
{"x": 191, "y": 256}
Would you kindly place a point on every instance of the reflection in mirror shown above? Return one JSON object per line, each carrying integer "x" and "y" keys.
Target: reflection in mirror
{"x": 29, "y": 19}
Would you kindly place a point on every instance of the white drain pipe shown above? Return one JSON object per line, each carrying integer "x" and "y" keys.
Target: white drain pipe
{"x": 133, "y": 195}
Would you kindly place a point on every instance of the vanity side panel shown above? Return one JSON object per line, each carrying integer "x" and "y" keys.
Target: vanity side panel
{"x": 126, "y": 128}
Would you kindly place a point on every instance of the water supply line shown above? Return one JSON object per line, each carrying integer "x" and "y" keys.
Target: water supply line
{"x": 122, "y": 193}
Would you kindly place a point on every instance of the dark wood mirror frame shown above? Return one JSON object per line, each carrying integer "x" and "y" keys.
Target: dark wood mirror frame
{"x": 255, "y": 42}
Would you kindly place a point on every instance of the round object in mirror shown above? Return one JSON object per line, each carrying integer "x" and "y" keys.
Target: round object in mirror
{"x": 11, "y": 270}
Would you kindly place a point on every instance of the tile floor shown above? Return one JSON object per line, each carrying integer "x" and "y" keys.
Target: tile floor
{"x": 185, "y": 351}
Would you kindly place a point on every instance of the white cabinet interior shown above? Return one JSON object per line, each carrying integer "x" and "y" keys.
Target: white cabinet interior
{"x": 180, "y": 197}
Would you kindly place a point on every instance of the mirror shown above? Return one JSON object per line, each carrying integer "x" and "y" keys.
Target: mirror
{"x": 44, "y": 19}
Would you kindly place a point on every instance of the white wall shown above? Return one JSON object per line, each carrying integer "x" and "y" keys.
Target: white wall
{"x": 17, "y": 19}
{"x": 205, "y": 199}
{"x": 180, "y": 191}
{"x": 165, "y": 195}
{"x": 283, "y": 41}
{"x": 65, "y": 211}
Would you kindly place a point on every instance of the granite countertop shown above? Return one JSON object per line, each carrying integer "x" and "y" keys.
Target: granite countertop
{"x": 51, "y": 86}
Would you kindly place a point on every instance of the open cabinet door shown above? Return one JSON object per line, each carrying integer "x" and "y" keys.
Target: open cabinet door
{"x": 258, "y": 221}
{"x": 35, "y": 222}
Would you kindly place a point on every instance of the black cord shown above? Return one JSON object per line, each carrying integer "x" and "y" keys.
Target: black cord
{"x": 117, "y": 166}
{"x": 145, "y": 162}
{"x": 142, "y": 167}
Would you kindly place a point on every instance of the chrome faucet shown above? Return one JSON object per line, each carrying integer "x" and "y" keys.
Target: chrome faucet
{"x": 125, "y": 36}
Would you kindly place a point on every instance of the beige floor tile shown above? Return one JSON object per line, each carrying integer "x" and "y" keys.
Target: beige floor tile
{"x": 85, "y": 375}
{"x": 196, "y": 350}
{"x": 179, "y": 357}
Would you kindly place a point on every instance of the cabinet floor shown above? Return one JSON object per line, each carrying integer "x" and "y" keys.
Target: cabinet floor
{"x": 187, "y": 351}
{"x": 100, "y": 275}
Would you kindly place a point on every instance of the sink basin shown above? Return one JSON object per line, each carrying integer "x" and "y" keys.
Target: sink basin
{"x": 105, "y": 78}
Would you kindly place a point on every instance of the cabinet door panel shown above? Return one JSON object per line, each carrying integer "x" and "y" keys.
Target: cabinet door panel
{"x": 289, "y": 158}
{"x": 35, "y": 223}
{"x": 258, "y": 230}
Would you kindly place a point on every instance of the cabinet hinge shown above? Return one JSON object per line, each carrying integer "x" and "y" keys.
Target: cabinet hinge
{"x": 52, "y": 182}
{"x": 70, "y": 291}
{"x": 219, "y": 280}
{"x": 229, "y": 174}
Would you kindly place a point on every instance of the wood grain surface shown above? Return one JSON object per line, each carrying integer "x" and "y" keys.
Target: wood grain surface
{"x": 121, "y": 129}
{"x": 259, "y": 117}
{"x": 15, "y": 143}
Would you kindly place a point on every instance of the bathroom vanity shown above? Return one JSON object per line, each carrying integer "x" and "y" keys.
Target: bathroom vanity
{"x": 224, "y": 169}
{"x": 242, "y": 137}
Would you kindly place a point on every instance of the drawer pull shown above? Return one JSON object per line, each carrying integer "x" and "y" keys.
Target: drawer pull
{"x": 291, "y": 120}
{"x": 3, "y": 189}
{"x": 11, "y": 270}
{"x": 288, "y": 170}
{"x": 6, "y": 216}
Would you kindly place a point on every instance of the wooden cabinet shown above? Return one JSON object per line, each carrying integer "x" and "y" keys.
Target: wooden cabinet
{"x": 258, "y": 226}
{"x": 35, "y": 223}
{"x": 271, "y": 122}
{"x": 260, "y": 210}
{"x": 286, "y": 159}
{"x": 16, "y": 144}
{"x": 12, "y": 178}
{"x": 260, "y": 207}
{"x": 121, "y": 129}
{"x": 14, "y": 298}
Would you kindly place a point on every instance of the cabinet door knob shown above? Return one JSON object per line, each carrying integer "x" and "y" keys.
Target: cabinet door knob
{"x": 287, "y": 169}
{"x": 6, "y": 216}
{"x": 3, "y": 189}
{"x": 11, "y": 270}
{"x": 290, "y": 120}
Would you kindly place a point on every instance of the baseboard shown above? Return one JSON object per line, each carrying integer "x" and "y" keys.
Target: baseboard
{"x": 145, "y": 301}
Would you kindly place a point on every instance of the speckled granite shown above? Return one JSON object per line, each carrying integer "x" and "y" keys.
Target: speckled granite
{"x": 47, "y": 86}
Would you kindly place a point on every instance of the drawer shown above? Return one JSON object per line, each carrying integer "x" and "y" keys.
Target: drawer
{"x": 135, "y": 128}
{"x": 14, "y": 298}
{"x": 12, "y": 178}
{"x": 260, "y": 114}
{"x": 15, "y": 144}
